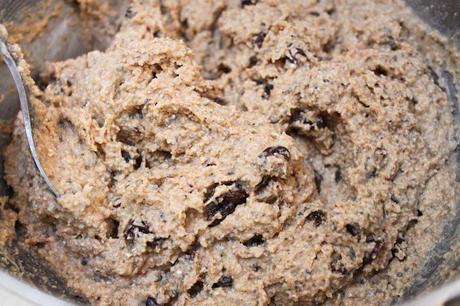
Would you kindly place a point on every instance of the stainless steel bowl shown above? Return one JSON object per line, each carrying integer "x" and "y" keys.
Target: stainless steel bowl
{"x": 63, "y": 39}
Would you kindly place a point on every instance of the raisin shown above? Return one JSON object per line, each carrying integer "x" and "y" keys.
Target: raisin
{"x": 353, "y": 229}
{"x": 137, "y": 162}
{"x": 224, "y": 68}
{"x": 256, "y": 240}
{"x": 317, "y": 217}
{"x": 318, "y": 181}
{"x": 253, "y": 60}
{"x": 84, "y": 262}
{"x": 128, "y": 233}
{"x": 336, "y": 265}
{"x": 226, "y": 203}
{"x": 259, "y": 81}
{"x": 380, "y": 71}
{"x": 267, "y": 91}
{"x": 259, "y": 40}
{"x": 155, "y": 242}
{"x": 112, "y": 225}
{"x": 126, "y": 156}
{"x": 248, "y": 2}
{"x": 224, "y": 281}
{"x": 130, "y": 230}
{"x": 130, "y": 13}
{"x": 151, "y": 301}
{"x": 276, "y": 151}
{"x": 20, "y": 229}
{"x": 219, "y": 101}
{"x": 338, "y": 175}
{"x": 394, "y": 199}
{"x": 196, "y": 288}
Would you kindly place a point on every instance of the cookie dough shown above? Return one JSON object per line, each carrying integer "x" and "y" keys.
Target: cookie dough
{"x": 235, "y": 153}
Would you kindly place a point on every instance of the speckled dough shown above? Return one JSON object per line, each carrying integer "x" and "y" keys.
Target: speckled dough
{"x": 235, "y": 153}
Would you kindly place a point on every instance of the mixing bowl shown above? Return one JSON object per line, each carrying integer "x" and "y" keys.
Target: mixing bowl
{"x": 59, "y": 36}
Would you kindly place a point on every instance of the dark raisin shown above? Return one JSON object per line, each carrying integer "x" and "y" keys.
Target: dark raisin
{"x": 260, "y": 38}
{"x": 253, "y": 60}
{"x": 112, "y": 225}
{"x": 219, "y": 101}
{"x": 130, "y": 13}
{"x": 195, "y": 289}
{"x": 318, "y": 181}
{"x": 226, "y": 203}
{"x": 224, "y": 68}
{"x": 129, "y": 233}
{"x": 256, "y": 240}
{"x": 317, "y": 217}
{"x": 39, "y": 245}
{"x": 126, "y": 156}
{"x": 130, "y": 230}
{"x": 155, "y": 242}
{"x": 137, "y": 162}
{"x": 151, "y": 301}
{"x": 84, "y": 262}
{"x": 248, "y": 2}
{"x": 336, "y": 264}
{"x": 276, "y": 151}
{"x": 394, "y": 199}
{"x": 353, "y": 229}
{"x": 338, "y": 175}
{"x": 267, "y": 91}
{"x": 380, "y": 71}
{"x": 419, "y": 213}
{"x": 259, "y": 81}
{"x": 224, "y": 281}
{"x": 143, "y": 228}
{"x": 20, "y": 229}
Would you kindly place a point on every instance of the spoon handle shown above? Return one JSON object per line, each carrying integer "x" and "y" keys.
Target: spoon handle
{"x": 23, "y": 99}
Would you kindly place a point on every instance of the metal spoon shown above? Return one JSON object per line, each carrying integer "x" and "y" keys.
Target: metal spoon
{"x": 23, "y": 99}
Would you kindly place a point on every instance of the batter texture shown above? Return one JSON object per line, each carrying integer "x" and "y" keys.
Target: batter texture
{"x": 235, "y": 153}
